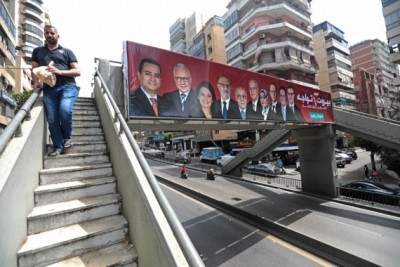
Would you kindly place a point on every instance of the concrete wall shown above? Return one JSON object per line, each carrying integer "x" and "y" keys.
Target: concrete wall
{"x": 317, "y": 160}
{"x": 20, "y": 163}
{"x": 149, "y": 230}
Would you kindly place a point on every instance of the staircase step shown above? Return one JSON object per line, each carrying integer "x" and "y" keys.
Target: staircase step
{"x": 120, "y": 254}
{"x": 82, "y": 112}
{"x": 47, "y": 217}
{"x": 49, "y": 247}
{"x": 86, "y": 117}
{"x": 76, "y": 159}
{"x": 87, "y": 137}
{"x": 53, "y": 193}
{"x": 74, "y": 173}
{"x": 86, "y": 130}
{"x": 86, "y": 146}
{"x": 89, "y": 123}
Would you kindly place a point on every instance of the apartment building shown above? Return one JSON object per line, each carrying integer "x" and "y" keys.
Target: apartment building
{"x": 209, "y": 42}
{"x": 371, "y": 58}
{"x": 334, "y": 74}
{"x": 183, "y": 31}
{"x": 391, "y": 13}
{"x": 271, "y": 37}
{"x": 21, "y": 30}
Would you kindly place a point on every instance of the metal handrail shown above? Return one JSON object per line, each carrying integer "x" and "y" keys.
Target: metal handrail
{"x": 14, "y": 127}
{"x": 184, "y": 241}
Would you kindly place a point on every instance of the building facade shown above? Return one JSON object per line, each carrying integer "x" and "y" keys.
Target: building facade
{"x": 21, "y": 30}
{"x": 334, "y": 74}
{"x": 209, "y": 42}
{"x": 370, "y": 61}
{"x": 391, "y": 13}
{"x": 183, "y": 31}
{"x": 271, "y": 37}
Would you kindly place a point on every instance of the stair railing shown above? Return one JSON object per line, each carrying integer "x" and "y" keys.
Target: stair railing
{"x": 184, "y": 241}
{"x": 13, "y": 129}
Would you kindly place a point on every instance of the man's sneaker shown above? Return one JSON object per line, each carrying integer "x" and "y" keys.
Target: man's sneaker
{"x": 67, "y": 143}
{"x": 55, "y": 153}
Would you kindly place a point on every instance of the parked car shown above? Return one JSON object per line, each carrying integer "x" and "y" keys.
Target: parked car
{"x": 183, "y": 157}
{"x": 371, "y": 191}
{"x": 351, "y": 152}
{"x": 265, "y": 169}
{"x": 346, "y": 157}
{"x": 340, "y": 161}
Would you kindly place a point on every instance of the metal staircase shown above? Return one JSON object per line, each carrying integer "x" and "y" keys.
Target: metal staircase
{"x": 77, "y": 218}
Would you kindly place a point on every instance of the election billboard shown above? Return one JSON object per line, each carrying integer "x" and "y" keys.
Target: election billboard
{"x": 164, "y": 84}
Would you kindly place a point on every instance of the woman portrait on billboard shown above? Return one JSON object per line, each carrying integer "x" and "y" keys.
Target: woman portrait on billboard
{"x": 206, "y": 98}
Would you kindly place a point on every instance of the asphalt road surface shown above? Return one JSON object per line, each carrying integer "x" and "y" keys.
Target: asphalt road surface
{"x": 222, "y": 240}
{"x": 367, "y": 234}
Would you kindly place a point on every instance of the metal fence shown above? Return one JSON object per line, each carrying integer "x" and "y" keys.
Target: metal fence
{"x": 277, "y": 180}
{"x": 370, "y": 197}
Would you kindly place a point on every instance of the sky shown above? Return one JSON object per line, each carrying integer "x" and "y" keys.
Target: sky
{"x": 97, "y": 29}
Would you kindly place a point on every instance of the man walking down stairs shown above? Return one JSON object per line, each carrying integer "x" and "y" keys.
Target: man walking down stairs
{"x": 77, "y": 218}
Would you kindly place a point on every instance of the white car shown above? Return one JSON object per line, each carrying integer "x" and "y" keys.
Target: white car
{"x": 346, "y": 157}
{"x": 224, "y": 159}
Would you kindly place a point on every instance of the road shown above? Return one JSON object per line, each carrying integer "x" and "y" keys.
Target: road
{"x": 222, "y": 240}
{"x": 369, "y": 235}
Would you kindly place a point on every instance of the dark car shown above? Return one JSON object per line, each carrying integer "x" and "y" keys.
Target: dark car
{"x": 371, "y": 191}
{"x": 266, "y": 169}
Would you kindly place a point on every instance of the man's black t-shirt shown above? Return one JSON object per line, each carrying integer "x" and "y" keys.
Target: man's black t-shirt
{"x": 62, "y": 57}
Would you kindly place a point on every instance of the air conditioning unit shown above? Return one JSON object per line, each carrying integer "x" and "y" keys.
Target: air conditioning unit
{"x": 261, "y": 35}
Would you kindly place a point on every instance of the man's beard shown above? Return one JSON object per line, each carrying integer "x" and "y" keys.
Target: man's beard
{"x": 51, "y": 41}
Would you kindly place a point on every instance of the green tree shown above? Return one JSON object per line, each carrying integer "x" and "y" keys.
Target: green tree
{"x": 21, "y": 98}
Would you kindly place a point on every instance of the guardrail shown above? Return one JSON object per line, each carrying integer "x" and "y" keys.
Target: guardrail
{"x": 363, "y": 196}
{"x": 275, "y": 180}
{"x": 14, "y": 127}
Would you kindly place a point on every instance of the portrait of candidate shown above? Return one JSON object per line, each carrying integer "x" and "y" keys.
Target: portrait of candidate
{"x": 283, "y": 102}
{"x": 241, "y": 99}
{"x": 264, "y": 101}
{"x": 274, "y": 113}
{"x": 145, "y": 101}
{"x": 225, "y": 107}
{"x": 183, "y": 99}
{"x": 294, "y": 113}
{"x": 206, "y": 98}
{"x": 254, "y": 92}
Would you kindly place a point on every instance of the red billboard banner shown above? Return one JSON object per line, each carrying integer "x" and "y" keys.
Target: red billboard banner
{"x": 166, "y": 84}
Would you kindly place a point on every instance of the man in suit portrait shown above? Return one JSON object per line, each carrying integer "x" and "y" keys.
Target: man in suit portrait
{"x": 254, "y": 92}
{"x": 145, "y": 101}
{"x": 283, "y": 103}
{"x": 183, "y": 98}
{"x": 274, "y": 113}
{"x": 225, "y": 107}
{"x": 245, "y": 112}
{"x": 294, "y": 113}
